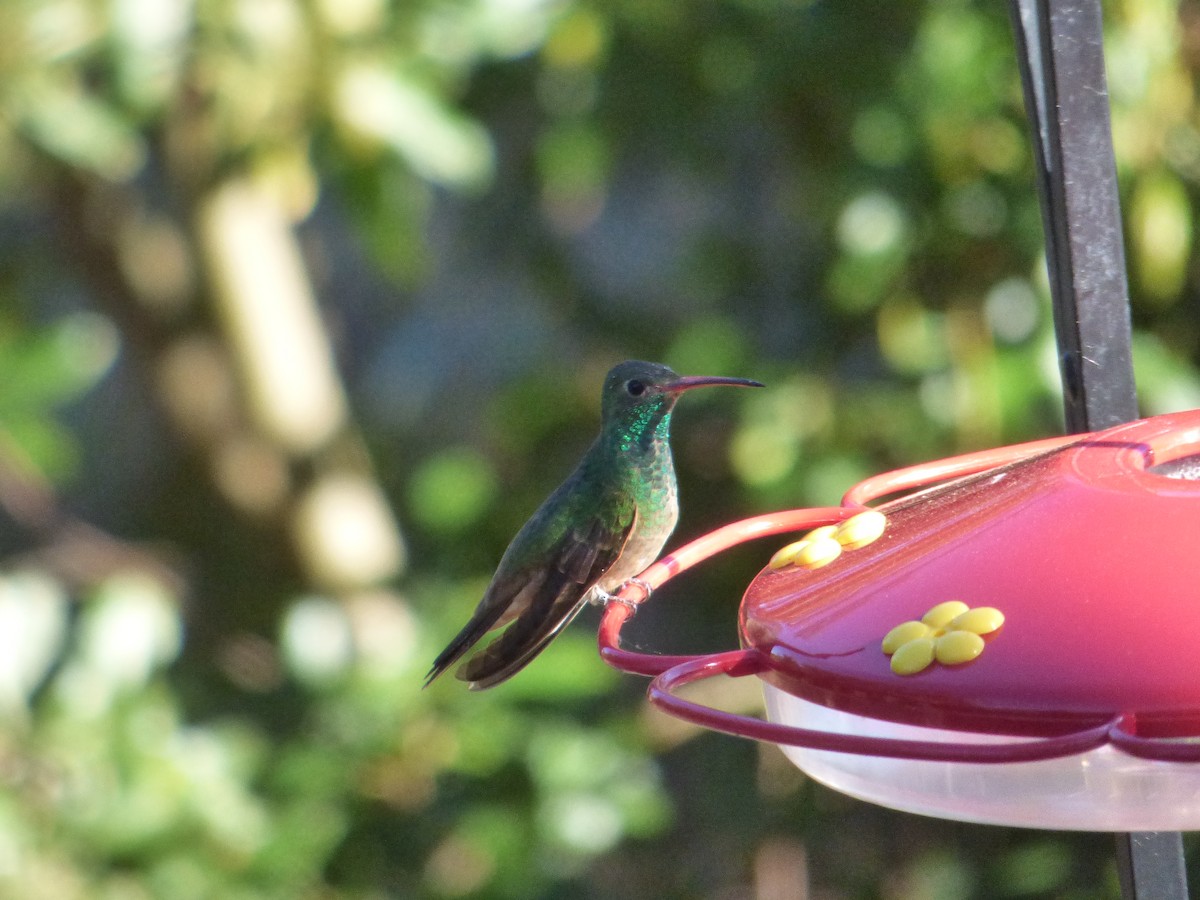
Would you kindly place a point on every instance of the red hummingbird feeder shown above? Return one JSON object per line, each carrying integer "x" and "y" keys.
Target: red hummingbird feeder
{"x": 1013, "y": 637}
{"x": 1015, "y": 641}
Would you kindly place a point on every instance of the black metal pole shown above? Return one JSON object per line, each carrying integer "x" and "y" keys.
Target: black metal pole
{"x": 1066, "y": 93}
{"x": 1061, "y": 57}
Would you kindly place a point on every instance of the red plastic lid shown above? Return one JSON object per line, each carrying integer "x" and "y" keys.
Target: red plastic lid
{"x": 1093, "y": 560}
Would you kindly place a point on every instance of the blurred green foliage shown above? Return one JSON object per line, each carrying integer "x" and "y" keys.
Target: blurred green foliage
{"x": 495, "y": 200}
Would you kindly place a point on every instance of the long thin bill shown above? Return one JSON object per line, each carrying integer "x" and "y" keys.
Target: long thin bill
{"x": 687, "y": 382}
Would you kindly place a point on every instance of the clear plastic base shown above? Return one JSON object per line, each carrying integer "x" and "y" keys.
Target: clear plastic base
{"x": 1103, "y": 790}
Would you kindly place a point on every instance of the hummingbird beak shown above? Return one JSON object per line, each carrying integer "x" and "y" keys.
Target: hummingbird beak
{"x": 687, "y": 382}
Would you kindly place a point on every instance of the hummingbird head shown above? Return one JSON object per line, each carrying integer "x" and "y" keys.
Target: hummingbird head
{"x": 639, "y": 396}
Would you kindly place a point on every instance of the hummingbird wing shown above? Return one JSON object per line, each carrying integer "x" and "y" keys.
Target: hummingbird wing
{"x": 539, "y": 598}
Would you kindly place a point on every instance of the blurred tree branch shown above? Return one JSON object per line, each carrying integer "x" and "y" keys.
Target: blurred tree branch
{"x": 74, "y": 551}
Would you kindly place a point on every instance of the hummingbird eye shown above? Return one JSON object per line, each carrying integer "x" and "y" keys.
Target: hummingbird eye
{"x": 635, "y": 387}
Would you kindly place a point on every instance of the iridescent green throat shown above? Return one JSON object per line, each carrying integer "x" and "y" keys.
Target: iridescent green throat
{"x": 644, "y": 424}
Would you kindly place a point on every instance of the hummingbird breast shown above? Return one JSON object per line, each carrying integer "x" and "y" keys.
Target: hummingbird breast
{"x": 656, "y": 499}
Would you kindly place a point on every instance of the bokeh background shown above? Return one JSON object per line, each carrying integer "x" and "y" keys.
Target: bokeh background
{"x": 304, "y": 306}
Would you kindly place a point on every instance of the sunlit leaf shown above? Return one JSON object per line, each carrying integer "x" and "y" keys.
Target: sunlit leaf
{"x": 449, "y": 492}
{"x": 440, "y": 143}
{"x": 78, "y": 128}
{"x": 1160, "y": 228}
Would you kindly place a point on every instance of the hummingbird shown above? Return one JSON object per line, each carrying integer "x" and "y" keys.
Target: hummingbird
{"x": 603, "y": 526}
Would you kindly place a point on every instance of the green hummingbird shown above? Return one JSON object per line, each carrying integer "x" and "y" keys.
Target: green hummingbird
{"x": 602, "y": 526}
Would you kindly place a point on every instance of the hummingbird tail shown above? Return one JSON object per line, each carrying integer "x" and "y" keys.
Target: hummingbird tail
{"x": 557, "y": 600}
{"x": 481, "y": 623}
{"x": 456, "y": 648}
{"x": 517, "y": 647}
{"x": 502, "y": 597}
{"x": 537, "y": 600}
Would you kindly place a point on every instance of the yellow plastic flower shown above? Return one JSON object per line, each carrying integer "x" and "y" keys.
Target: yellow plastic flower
{"x": 823, "y": 545}
{"x": 951, "y": 633}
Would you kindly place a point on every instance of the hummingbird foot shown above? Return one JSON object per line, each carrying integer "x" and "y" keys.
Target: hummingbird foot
{"x": 604, "y": 597}
{"x": 647, "y": 587}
